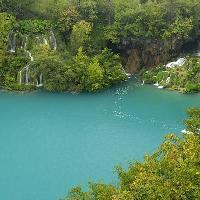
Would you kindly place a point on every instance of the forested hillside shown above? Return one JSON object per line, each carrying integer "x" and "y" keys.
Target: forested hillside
{"x": 86, "y": 44}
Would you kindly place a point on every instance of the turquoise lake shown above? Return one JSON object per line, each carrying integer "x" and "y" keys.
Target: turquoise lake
{"x": 50, "y": 142}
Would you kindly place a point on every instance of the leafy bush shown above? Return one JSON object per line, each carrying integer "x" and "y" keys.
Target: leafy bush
{"x": 34, "y": 26}
{"x": 94, "y": 76}
{"x": 193, "y": 122}
{"x": 185, "y": 78}
{"x": 192, "y": 88}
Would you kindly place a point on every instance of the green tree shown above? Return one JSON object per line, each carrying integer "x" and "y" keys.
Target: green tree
{"x": 18, "y": 8}
{"x": 6, "y": 24}
{"x": 80, "y": 35}
{"x": 193, "y": 122}
{"x": 53, "y": 70}
{"x": 94, "y": 76}
{"x": 111, "y": 66}
{"x": 80, "y": 66}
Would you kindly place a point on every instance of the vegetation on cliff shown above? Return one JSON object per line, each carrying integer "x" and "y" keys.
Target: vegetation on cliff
{"x": 172, "y": 172}
{"x": 184, "y": 78}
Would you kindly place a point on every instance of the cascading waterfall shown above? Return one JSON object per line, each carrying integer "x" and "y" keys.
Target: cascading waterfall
{"x": 30, "y": 55}
{"x": 168, "y": 80}
{"x": 20, "y": 77}
{"x": 27, "y": 68}
{"x": 156, "y": 84}
{"x": 40, "y": 82}
{"x": 127, "y": 74}
{"x": 180, "y": 62}
{"x": 26, "y": 75}
{"x": 12, "y": 43}
{"x": 25, "y": 42}
{"x": 45, "y": 41}
{"x": 53, "y": 40}
{"x": 197, "y": 53}
{"x": 41, "y": 79}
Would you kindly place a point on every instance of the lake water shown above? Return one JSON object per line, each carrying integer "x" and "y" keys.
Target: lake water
{"x": 50, "y": 142}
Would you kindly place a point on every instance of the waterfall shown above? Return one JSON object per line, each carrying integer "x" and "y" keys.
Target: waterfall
{"x": 25, "y": 42}
{"x": 12, "y": 43}
{"x": 39, "y": 82}
{"x": 20, "y": 77}
{"x": 142, "y": 82}
{"x": 127, "y": 74}
{"x": 30, "y": 55}
{"x": 180, "y": 62}
{"x": 41, "y": 79}
{"x": 26, "y": 77}
{"x": 45, "y": 41}
{"x": 168, "y": 80}
{"x": 27, "y": 68}
{"x": 156, "y": 84}
{"x": 53, "y": 40}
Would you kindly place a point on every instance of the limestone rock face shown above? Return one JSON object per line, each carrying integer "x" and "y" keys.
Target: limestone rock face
{"x": 134, "y": 61}
{"x": 150, "y": 54}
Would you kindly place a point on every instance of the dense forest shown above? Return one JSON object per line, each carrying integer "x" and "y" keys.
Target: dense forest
{"x": 77, "y": 45}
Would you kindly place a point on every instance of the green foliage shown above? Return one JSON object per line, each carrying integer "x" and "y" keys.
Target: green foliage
{"x": 172, "y": 172}
{"x": 16, "y": 7}
{"x": 10, "y": 68}
{"x": 78, "y": 73}
{"x": 80, "y": 35}
{"x": 169, "y": 21}
{"x": 13, "y": 86}
{"x": 35, "y": 26}
{"x": 77, "y": 193}
{"x": 185, "y": 78}
{"x": 6, "y": 23}
{"x": 193, "y": 122}
{"x": 68, "y": 18}
{"x": 98, "y": 72}
{"x": 94, "y": 26}
{"x": 111, "y": 65}
{"x": 179, "y": 29}
{"x": 95, "y": 76}
{"x": 87, "y": 9}
{"x": 53, "y": 70}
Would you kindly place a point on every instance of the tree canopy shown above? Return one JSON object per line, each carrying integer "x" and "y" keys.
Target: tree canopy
{"x": 155, "y": 29}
